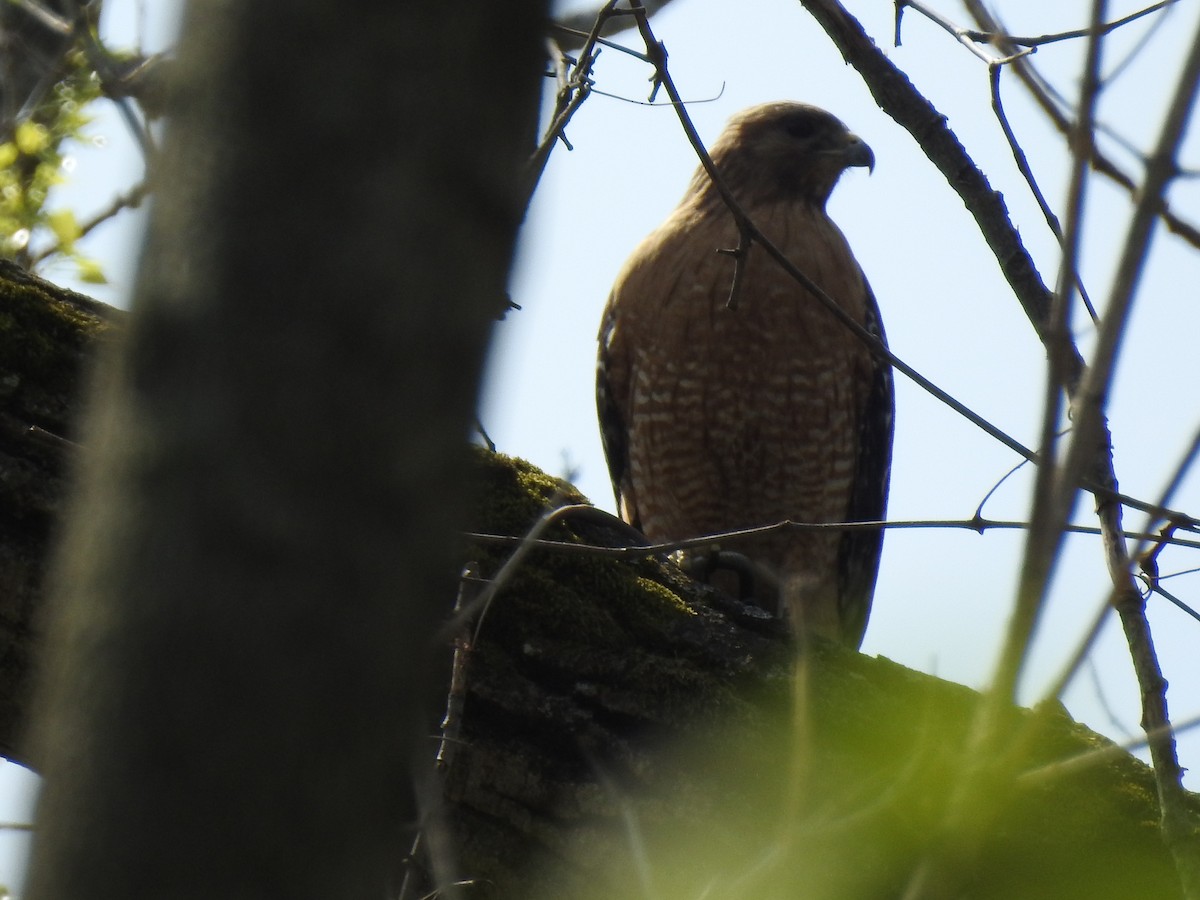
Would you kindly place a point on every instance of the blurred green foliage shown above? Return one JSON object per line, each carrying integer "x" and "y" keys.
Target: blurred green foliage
{"x": 34, "y": 159}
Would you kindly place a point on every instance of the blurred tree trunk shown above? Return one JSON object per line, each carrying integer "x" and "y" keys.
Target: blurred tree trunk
{"x": 262, "y": 542}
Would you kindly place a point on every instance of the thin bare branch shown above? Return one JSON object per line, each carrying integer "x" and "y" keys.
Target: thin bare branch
{"x": 639, "y": 548}
{"x": 1041, "y": 94}
{"x": 1054, "y": 492}
{"x": 1176, "y": 602}
{"x": 45, "y": 17}
{"x": 996, "y": 37}
{"x": 129, "y": 199}
{"x": 580, "y": 23}
{"x": 898, "y": 98}
{"x": 962, "y": 35}
{"x": 1023, "y": 166}
{"x": 1074, "y": 765}
{"x": 745, "y": 242}
{"x": 102, "y": 62}
{"x": 574, "y": 80}
{"x": 575, "y": 39}
{"x": 480, "y": 603}
{"x": 1018, "y": 153}
{"x": 1146, "y": 536}
{"x": 995, "y": 487}
{"x": 1115, "y": 71}
{"x": 1179, "y": 827}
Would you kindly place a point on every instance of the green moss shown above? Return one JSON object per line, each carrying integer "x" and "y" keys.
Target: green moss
{"x": 614, "y": 621}
{"x": 840, "y": 780}
{"x": 44, "y": 333}
{"x": 511, "y": 493}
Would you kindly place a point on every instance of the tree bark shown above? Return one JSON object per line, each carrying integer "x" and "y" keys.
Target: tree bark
{"x": 626, "y": 732}
{"x": 47, "y": 337}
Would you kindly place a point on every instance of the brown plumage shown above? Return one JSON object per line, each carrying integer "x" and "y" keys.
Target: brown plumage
{"x": 716, "y": 419}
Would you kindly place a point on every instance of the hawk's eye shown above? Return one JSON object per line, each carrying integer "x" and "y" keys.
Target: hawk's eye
{"x": 800, "y": 127}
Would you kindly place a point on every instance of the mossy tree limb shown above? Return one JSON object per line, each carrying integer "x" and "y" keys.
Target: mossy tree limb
{"x": 612, "y": 702}
{"x": 47, "y": 335}
{"x": 626, "y": 730}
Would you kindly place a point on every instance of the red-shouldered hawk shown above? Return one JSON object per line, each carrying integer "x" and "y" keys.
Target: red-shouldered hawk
{"x": 715, "y": 419}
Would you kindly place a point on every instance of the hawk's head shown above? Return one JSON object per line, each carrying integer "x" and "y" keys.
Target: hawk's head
{"x": 786, "y": 151}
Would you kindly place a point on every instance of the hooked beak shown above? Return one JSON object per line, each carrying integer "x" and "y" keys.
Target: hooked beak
{"x": 857, "y": 153}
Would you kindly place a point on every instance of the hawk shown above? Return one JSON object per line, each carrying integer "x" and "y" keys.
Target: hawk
{"x": 716, "y": 419}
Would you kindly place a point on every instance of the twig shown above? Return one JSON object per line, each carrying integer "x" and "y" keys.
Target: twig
{"x": 468, "y": 588}
{"x": 101, "y": 61}
{"x": 1074, "y": 765}
{"x": 1115, "y": 71}
{"x": 1026, "y": 171}
{"x": 640, "y": 548}
{"x": 739, "y": 253}
{"x": 1178, "y": 824}
{"x": 50, "y": 440}
{"x": 967, "y": 38}
{"x": 130, "y": 199}
{"x": 1054, "y": 492}
{"x": 1161, "y": 539}
{"x": 995, "y": 37}
{"x": 1018, "y": 153}
{"x": 578, "y": 23}
{"x": 1176, "y": 601}
{"x": 577, "y": 37}
{"x": 44, "y": 16}
{"x": 995, "y": 487}
{"x": 1101, "y": 694}
{"x": 480, "y": 603}
{"x": 624, "y": 99}
{"x": 1100, "y": 162}
{"x": 451, "y": 728}
{"x": 574, "y": 84}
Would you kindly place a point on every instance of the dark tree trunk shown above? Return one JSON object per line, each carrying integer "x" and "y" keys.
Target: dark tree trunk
{"x": 262, "y": 544}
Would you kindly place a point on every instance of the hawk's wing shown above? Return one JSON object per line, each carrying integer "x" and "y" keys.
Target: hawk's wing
{"x": 858, "y": 553}
{"x": 612, "y": 378}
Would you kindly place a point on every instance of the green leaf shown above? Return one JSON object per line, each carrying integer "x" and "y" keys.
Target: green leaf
{"x": 89, "y": 271}
{"x": 31, "y": 138}
{"x": 65, "y": 227}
